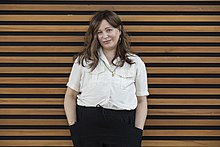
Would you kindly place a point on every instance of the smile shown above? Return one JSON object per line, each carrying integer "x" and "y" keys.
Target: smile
{"x": 107, "y": 42}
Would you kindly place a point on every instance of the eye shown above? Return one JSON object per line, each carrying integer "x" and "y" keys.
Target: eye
{"x": 99, "y": 33}
{"x": 108, "y": 30}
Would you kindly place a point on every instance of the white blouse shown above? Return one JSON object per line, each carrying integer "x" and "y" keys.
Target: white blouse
{"x": 101, "y": 88}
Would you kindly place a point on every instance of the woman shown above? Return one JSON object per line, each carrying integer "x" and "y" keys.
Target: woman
{"x": 105, "y": 101}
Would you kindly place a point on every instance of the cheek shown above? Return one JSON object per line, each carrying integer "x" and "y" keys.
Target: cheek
{"x": 116, "y": 37}
{"x": 99, "y": 40}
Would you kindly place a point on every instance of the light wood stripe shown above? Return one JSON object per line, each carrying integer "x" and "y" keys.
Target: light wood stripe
{"x": 37, "y": 49}
{"x": 180, "y": 143}
{"x": 180, "y": 112}
{"x": 183, "y": 70}
{"x": 149, "y": 122}
{"x": 142, "y": 18}
{"x": 176, "y": 49}
{"x": 38, "y": 122}
{"x": 145, "y": 143}
{"x": 32, "y": 101}
{"x": 53, "y": 111}
{"x": 138, "y": 49}
{"x": 171, "y": 39}
{"x": 182, "y": 122}
{"x": 181, "y": 59}
{"x": 66, "y": 132}
{"x": 81, "y": 28}
{"x": 43, "y": 7}
{"x": 52, "y": 70}
{"x": 28, "y": 80}
{"x": 184, "y": 80}
{"x": 32, "y": 90}
{"x": 34, "y": 132}
{"x": 183, "y": 91}
{"x": 58, "y": 80}
{"x": 12, "y": 59}
{"x": 165, "y": 91}
{"x": 31, "y": 111}
{"x": 29, "y": 143}
{"x": 184, "y": 101}
{"x": 59, "y": 101}
{"x": 150, "y": 70}
{"x": 181, "y": 133}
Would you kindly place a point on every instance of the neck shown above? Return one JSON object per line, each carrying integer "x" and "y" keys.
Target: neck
{"x": 110, "y": 54}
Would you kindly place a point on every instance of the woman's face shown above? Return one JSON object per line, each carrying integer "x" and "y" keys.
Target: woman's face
{"x": 108, "y": 36}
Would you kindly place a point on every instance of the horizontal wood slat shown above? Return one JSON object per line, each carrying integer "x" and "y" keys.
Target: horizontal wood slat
{"x": 53, "y": 111}
{"x": 183, "y": 70}
{"x": 34, "y": 132}
{"x": 47, "y": 7}
{"x": 145, "y": 143}
{"x": 180, "y": 143}
{"x": 138, "y": 49}
{"x": 36, "y": 143}
{"x": 182, "y": 122}
{"x": 66, "y": 132}
{"x": 183, "y": 80}
{"x": 53, "y": 70}
{"x": 181, "y": 133}
{"x": 204, "y": 39}
{"x": 32, "y": 101}
{"x": 190, "y": 112}
{"x": 183, "y": 91}
{"x": 59, "y": 101}
{"x": 149, "y": 122}
{"x": 48, "y": 80}
{"x": 171, "y": 91}
{"x": 138, "y": 18}
{"x": 12, "y": 59}
{"x": 82, "y": 28}
{"x": 38, "y": 122}
{"x": 32, "y": 90}
{"x": 150, "y": 70}
{"x": 184, "y": 101}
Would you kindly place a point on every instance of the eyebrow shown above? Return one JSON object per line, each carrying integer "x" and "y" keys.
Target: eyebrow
{"x": 106, "y": 28}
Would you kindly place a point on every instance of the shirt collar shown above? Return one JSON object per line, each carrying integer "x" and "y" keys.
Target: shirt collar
{"x": 103, "y": 57}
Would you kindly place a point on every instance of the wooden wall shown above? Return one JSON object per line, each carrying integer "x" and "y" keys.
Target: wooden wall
{"x": 178, "y": 40}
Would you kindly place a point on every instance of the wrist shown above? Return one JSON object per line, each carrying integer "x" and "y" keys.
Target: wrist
{"x": 72, "y": 123}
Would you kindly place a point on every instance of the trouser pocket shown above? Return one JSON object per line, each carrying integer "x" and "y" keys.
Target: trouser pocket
{"x": 74, "y": 130}
{"x": 134, "y": 134}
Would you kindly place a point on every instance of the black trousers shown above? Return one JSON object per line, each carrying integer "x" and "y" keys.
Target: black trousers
{"x": 99, "y": 127}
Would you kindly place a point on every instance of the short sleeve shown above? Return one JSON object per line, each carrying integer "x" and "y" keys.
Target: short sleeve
{"x": 141, "y": 79}
{"x": 75, "y": 76}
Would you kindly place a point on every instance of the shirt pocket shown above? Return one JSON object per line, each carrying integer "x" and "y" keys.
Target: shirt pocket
{"x": 127, "y": 78}
{"x": 97, "y": 77}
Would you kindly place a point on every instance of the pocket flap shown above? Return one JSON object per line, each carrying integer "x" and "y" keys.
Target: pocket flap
{"x": 126, "y": 73}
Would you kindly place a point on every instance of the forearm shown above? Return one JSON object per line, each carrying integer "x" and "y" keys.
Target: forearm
{"x": 70, "y": 108}
{"x": 141, "y": 112}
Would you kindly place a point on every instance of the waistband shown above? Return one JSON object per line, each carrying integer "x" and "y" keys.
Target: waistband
{"x": 105, "y": 110}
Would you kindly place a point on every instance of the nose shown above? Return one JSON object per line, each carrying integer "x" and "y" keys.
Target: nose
{"x": 104, "y": 34}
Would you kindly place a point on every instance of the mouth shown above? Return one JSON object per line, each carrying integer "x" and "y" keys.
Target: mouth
{"x": 107, "y": 42}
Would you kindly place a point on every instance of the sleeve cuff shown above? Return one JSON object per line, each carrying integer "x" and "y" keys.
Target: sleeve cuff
{"x": 142, "y": 93}
{"x": 73, "y": 87}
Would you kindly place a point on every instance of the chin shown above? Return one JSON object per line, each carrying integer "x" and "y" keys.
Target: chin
{"x": 108, "y": 47}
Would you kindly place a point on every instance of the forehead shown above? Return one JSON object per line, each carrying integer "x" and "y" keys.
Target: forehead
{"x": 104, "y": 24}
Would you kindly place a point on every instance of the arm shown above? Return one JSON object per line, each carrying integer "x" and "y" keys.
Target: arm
{"x": 141, "y": 112}
{"x": 70, "y": 105}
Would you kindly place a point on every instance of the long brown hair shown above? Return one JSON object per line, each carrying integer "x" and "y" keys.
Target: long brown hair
{"x": 91, "y": 45}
